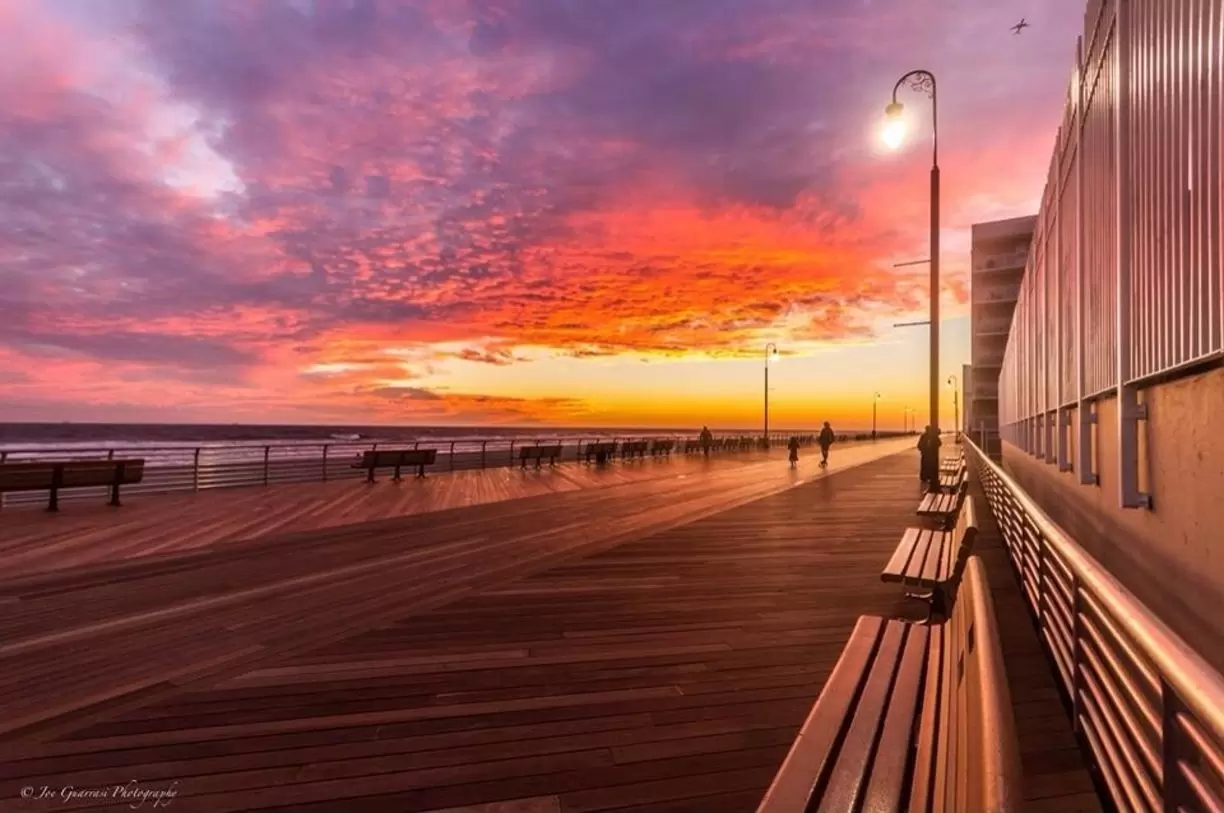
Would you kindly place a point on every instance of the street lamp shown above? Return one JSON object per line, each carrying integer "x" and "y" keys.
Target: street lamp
{"x": 954, "y": 383}
{"x": 874, "y": 401}
{"x": 771, "y": 355}
{"x": 921, "y": 81}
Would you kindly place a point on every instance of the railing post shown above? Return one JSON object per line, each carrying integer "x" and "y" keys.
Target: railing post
{"x": 326, "y": 446}
{"x": 267, "y": 453}
{"x": 511, "y": 452}
{"x": 195, "y": 470}
{"x": 483, "y": 443}
{"x": 452, "y": 456}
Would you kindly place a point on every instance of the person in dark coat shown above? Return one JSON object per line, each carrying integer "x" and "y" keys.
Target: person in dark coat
{"x": 825, "y": 440}
{"x": 707, "y": 438}
{"x": 794, "y": 451}
{"x": 928, "y": 466}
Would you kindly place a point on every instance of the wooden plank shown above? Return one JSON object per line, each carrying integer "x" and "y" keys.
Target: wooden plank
{"x": 898, "y": 565}
{"x": 854, "y": 758}
{"x": 925, "y": 748}
{"x": 887, "y": 779}
{"x": 929, "y": 576}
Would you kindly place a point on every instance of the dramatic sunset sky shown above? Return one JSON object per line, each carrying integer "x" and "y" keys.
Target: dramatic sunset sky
{"x": 575, "y": 212}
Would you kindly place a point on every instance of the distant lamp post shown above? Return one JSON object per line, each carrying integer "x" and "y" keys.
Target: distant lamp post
{"x": 954, "y": 383}
{"x": 893, "y": 135}
{"x": 905, "y": 414}
{"x": 771, "y": 355}
{"x": 874, "y": 403}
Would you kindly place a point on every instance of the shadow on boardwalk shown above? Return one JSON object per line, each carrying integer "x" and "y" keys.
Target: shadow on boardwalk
{"x": 665, "y": 674}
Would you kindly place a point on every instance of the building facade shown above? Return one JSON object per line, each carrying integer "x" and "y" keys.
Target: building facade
{"x": 999, "y": 253}
{"x": 1112, "y": 384}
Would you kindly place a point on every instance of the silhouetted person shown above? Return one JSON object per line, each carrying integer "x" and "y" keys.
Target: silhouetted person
{"x": 825, "y": 439}
{"x": 928, "y": 466}
{"x": 707, "y": 438}
{"x": 794, "y": 450}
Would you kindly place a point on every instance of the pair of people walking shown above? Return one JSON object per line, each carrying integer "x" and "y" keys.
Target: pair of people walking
{"x": 824, "y": 440}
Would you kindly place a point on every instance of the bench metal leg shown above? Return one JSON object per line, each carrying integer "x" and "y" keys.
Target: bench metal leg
{"x": 53, "y": 505}
{"x": 524, "y": 462}
{"x": 114, "y": 500}
{"x": 538, "y": 461}
{"x": 421, "y": 471}
{"x": 397, "y": 477}
{"x": 370, "y": 477}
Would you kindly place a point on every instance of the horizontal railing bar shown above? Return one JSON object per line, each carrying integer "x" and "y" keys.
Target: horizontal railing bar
{"x": 1122, "y": 761}
{"x": 1108, "y": 691}
{"x": 1140, "y": 700}
{"x": 1198, "y": 686}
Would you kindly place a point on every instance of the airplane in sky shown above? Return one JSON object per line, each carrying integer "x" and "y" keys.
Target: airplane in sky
{"x": 1020, "y": 26}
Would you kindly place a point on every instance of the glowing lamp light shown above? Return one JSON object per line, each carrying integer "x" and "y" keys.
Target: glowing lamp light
{"x": 893, "y": 133}
{"x": 773, "y": 357}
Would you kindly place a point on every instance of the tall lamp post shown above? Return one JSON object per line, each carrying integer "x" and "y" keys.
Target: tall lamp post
{"x": 921, "y": 81}
{"x": 874, "y": 402}
{"x": 771, "y": 353}
{"x": 954, "y": 383}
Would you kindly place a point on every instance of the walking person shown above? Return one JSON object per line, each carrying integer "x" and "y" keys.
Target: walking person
{"x": 794, "y": 451}
{"x": 825, "y": 440}
{"x": 707, "y": 437}
{"x": 928, "y": 450}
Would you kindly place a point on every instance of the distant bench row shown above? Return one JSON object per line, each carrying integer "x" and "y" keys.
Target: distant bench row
{"x": 54, "y": 476}
{"x": 915, "y": 716}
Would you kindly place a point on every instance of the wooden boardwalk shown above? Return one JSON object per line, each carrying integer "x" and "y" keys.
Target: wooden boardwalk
{"x": 32, "y": 539}
{"x": 662, "y": 668}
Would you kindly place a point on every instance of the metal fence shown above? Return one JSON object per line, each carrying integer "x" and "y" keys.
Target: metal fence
{"x": 1124, "y": 284}
{"x": 1150, "y": 710}
{"x": 183, "y": 467}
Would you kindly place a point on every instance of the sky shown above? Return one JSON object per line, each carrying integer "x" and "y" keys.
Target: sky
{"x": 500, "y": 212}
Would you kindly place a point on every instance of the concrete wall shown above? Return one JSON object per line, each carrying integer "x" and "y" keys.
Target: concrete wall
{"x": 1172, "y": 556}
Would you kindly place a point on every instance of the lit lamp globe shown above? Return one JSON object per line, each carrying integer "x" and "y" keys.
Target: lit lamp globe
{"x": 893, "y": 133}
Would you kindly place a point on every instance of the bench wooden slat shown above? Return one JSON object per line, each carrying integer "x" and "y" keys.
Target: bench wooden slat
{"x": 898, "y": 565}
{"x": 887, "y": 779}
{"x": 925, "y": 750}
{"x": 936, "y": 543}
{"x": 809, "y": 757}
{"x": 854, "y": 756}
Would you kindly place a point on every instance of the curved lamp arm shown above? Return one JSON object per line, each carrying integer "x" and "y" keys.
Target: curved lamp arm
{"x": 921, "y": 81}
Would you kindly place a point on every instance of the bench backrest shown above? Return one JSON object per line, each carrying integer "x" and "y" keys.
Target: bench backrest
{"x": 550, "y": 451}
{"x": 383, "y": 458}
{"x": 974, "y": 762}
{"x": 101, "y": 473}
{"x": 40, "y": 475}
{"x": 26, "y": 476}
{"x": 963, "y": 536}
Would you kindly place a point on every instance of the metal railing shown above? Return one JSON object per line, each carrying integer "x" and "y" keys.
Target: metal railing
{"x": 1150, "y": 709}
{"x": 185, "y": 467}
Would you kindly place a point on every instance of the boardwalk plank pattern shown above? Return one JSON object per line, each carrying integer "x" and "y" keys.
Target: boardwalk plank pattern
{"x": 32, "y": 539}
{"x": 667, "y": 673}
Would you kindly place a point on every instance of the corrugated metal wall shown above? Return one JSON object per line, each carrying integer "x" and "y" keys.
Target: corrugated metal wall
{"x": 1063, "y": 348}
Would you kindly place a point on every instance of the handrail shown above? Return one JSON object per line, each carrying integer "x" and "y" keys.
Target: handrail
{"x": 1149, "y": 706}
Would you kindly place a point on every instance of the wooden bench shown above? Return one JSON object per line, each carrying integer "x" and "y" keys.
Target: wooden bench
{"x": 396, "y": 459}
{"x": 662, "y": 447}
{"x": 952, "y": 465}
{"x": 600, "y": 451}
{"x": 53, "y": 475}
{"x": 913, "y": 718}
{"x": 943, "y": 505}
{"x": 692, "y": 446}
{"x": 934, "y": 559}
{"x": 634, "y": 448}
{"x": 539, "y": 454}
